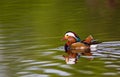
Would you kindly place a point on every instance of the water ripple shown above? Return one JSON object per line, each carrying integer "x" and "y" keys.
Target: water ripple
{"x": 66, "y": 66}
{"x": 35, "y": 63}
{"x": 35, "y": 75}
{"x": 86, "y": 72}
{"x": 59, "y": 72}
{"x": 51, "y": 64}
{"x": 113, "y": 66}
{"x": 110, "y": 74}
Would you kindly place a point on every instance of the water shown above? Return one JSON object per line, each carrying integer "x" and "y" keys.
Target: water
{"x": 30, "y": 33}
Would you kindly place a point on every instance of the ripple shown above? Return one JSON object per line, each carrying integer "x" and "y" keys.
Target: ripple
{"x": 59, "y": 72}
{"x": 1, "y": 37}
{"x": 115, "y": 56}
{"x": 2, "y": 48}
{"x": 92, "y": 57}
{"x": 1, "y": 41}
{"x": 112, "y": 59}
{"x": 52, "y": 64}
{"x": 113, "y": 66}
{"x": 35, "y": 75}
{"x": 3, "y": 71}
{"x": 46, "y": 53}
{"x": 109, "y": 46}
{"x": 118, "y": 72}
{"x": 27, "y": 60}
{"x": 112, "y": 42}
{"x": 32, "y": 47}
{"x": 1, "y": 56}
{"x": 86, "y": 72}
{"x": 37, "y": 46}
{"x": 108, "y": 62}
{"x": 23, "y": 73}
{"x": 110, "y": 73}
{"x": 118, "y": 68}
{"x": 41, "y": 62}
{"x": 37, "y": 63}
{"x": 116, "y": 53}
{"x": 99, "y": 55}
{"x": 66, "y": 66}
{"x": 58, "y": 57}
{"x": 32, "y": 68}
{"x": 61, "y": 48}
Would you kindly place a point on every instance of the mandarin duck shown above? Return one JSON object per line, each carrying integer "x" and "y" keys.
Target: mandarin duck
{"x": 74, "y": 46}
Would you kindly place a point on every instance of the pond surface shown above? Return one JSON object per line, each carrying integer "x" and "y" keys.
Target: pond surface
{"x": 31, "y": 32}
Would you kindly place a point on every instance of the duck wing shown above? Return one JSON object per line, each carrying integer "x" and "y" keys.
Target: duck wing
{"x": 90, "y": 40}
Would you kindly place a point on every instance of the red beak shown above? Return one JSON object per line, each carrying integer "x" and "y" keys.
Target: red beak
{"x": 63, "y": 39}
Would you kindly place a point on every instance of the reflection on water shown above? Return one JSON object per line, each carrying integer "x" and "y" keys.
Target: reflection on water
{"x": 23, "y": 58}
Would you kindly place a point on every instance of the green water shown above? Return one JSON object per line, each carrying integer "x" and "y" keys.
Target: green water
{"x": 31, "y": 32}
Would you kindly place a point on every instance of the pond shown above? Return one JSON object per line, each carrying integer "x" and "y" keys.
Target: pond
{"x": 31, "y": 32}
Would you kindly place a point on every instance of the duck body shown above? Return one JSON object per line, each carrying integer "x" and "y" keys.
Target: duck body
{"x": 77, "y": 45}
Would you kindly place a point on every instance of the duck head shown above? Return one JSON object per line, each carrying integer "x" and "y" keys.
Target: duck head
{"x": 71, "y": 37}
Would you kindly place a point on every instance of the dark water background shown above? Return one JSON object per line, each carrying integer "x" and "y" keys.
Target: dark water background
{"x": 30, "y": 33}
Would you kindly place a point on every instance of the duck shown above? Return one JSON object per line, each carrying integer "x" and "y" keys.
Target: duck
{"x": 74, "y": 46}
{"x": 75, "y": 43}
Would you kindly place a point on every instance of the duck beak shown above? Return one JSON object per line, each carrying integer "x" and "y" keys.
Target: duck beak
{"x": 63, "y": 39}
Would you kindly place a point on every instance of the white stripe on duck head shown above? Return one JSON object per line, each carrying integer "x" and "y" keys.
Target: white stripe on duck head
{"x": 72, "y": 34}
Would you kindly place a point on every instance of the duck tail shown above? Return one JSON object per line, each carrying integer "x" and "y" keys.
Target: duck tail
{"x": 90, "y": 40}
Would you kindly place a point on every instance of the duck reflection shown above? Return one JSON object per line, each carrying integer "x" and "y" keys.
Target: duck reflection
{"x": 73, "y": 55}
